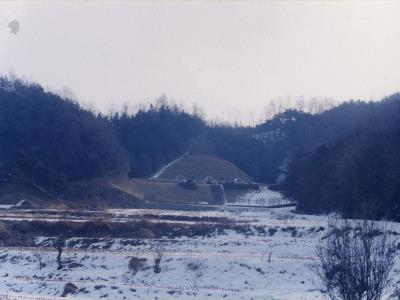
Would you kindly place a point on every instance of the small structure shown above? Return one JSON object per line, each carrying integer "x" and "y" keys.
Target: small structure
{"x": 180, "y": 179}
{"x": 237, "y": 180}
{"x": 210, "y": 180}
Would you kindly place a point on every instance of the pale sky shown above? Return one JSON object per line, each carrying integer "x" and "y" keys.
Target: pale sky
{"x": 231, "y": 58}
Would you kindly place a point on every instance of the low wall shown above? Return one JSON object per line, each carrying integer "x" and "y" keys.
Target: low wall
{"x": 171, "y": 192}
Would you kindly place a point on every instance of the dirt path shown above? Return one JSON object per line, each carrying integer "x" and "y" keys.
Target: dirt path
{"x": 154, "y": 253}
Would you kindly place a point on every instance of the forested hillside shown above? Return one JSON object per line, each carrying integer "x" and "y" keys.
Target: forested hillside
{"x": 155, "y": 136}
{"x": 51, "y": 141}
{"x": 341, "y": 159}
{"x": 345, "y": 159}
{"x": 160, "y": 133}
{"x": 356, "y": 168}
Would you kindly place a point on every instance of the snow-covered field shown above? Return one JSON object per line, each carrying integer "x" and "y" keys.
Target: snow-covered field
{"x": 269, "y": 263}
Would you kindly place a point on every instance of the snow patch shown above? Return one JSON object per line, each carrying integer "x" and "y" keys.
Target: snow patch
{"x": 159, "y": 172}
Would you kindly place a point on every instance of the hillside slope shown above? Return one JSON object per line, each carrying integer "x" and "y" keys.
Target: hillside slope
{"x": 199, "y": 167}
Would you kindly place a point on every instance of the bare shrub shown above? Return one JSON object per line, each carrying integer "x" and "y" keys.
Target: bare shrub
{"x": 136, "y": 264}
{"x": 272, "y": 231}
{"x": 193, "y": 266}
{"x": 396, "y": 293}
{"x": 70, "y": 289}
{"x": 354, "y": 260}
{"x": 197, "y": 267}
{"x": 157, "y": 259}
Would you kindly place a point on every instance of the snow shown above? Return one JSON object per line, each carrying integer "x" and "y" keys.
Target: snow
{"x": 159, "y": 172}
{"x": 6, "y": 206}
{"x": 263, "y": 265}
{"x": 261, "y": 197}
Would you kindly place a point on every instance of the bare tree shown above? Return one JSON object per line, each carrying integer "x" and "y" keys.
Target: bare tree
{"x": 157, "y": 259}
{"x": 354, "y": 260}
{"x": 59, "y": 245}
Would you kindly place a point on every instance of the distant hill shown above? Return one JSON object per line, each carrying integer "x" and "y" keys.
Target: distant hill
{"x": 50, "y": 141}
{"x": 199, "y": 167}
{"x": 345, "y": 159}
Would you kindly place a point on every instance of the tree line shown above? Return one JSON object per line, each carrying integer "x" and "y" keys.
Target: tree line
{"x": 353, "y": 164}
{"x": 51, "y": 141}
{"x": 334, "y": 159}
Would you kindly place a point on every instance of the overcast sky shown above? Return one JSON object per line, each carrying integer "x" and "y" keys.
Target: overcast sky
{"x": 231, "y": 58}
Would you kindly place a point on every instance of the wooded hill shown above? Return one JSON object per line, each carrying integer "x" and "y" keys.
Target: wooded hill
{"x": 345, "y": 159}
{"x": 340, "y": 159}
